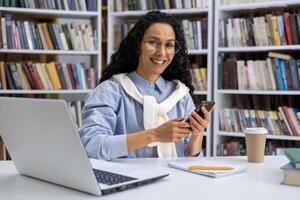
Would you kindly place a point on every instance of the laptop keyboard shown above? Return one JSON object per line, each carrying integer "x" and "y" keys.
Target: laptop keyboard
{"x": 109, "y": 178}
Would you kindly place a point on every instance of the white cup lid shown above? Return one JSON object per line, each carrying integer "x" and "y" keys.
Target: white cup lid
{"x": 259, "y": 130}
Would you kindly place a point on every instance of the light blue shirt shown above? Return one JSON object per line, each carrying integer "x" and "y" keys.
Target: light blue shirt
{"x": 109, "y": 114}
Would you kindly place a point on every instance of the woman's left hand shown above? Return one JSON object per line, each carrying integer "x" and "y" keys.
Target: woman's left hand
{"x": 197, "y": 123}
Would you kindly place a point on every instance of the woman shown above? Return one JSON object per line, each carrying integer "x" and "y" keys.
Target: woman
{"x": 138, "y": 108}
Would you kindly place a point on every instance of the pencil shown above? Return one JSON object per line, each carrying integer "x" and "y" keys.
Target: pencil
{"x": 202, "y": 167}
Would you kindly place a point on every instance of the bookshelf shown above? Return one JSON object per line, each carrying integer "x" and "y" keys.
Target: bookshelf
{"x": 91, "y": 56}
{"x": 200, "y": 55}
{"x": 228, "y": 98}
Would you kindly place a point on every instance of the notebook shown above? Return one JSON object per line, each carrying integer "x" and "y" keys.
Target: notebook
{"x": 184, "y": 165}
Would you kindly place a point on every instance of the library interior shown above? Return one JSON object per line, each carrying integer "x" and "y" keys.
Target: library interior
{"x": 210, "y": 87}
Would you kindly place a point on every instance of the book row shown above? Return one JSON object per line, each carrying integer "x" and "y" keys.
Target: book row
{"x": 238, "y": 147}
{"x": 79, "y": 5}
{"x": 269, "y": 74}
{"x": 199, "y": 75}
{"x": 195, "y": 33}
{"x": 17, "y": 34}
{"x": 265, "y": 30}
{"x": 231, "y": 148}
{"x": 46, "y": 76}
{"x": 157, "y": 4}
{"x": 232, "y": 2}
{"x": 283, "y": 121}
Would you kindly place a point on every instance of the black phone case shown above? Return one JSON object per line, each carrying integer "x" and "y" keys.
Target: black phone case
{"x": 207, "y": 104}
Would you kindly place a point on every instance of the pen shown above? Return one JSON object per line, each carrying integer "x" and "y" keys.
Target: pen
{"x": 202, "y": 167}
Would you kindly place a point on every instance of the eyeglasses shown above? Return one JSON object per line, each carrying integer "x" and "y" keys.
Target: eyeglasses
{"x": 171, "y": 47}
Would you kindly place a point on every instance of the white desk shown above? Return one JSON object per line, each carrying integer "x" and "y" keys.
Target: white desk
{"x": 261, "y": 181}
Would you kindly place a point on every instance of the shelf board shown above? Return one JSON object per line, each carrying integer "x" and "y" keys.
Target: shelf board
{"x": 260, "y": 5}
{"x": 199, "y": 92}
{"x": 263, "y": 92}
{"x": 48, "y": 12}
{"x": 136, "y": 13}
{"x": 44, "y": 91}
{"x": 198, "y": 52}
{"x": 260, "y": 48}
{"x": 39, "y": 51}
{"x": 275, "y": 137}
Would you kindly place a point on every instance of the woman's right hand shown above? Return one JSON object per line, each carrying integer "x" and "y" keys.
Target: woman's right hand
{"x": 171, "y": 131}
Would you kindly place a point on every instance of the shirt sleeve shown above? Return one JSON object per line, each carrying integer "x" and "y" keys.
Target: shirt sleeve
{"x": 190, "y": 106}
{"x": 99, "y": 122}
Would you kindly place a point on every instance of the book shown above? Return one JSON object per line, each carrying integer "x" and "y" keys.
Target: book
{"x": 3, "y": 76}
{"x": 293, "y": 154}
{"x": 279, "y": 55}
{"x": 291, "y": 175}
{"x": 34, "y": 76}
{"x": 2, "y": 150}
{"x": 53, "y": 76}
{"x": 184, "y": 165}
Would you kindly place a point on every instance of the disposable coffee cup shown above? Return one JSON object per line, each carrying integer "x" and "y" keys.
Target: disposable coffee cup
{"x": 255, "y": 144}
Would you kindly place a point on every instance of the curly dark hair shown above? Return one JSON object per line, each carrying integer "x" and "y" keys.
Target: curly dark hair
{"x": 126, "y": 58}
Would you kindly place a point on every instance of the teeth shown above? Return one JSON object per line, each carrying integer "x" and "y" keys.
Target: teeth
{"x": 158, "y": 61}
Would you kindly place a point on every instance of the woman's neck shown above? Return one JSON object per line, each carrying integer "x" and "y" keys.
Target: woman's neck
{"x": 149, "y": 77}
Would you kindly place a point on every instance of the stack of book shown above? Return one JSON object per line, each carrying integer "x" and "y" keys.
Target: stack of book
{"x": 291, "y": 171}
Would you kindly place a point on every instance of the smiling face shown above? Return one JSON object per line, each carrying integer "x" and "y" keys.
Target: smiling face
{"x": 156, "y": 51}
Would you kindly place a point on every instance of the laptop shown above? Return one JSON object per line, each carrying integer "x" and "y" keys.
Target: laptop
{"x": 43, "y": 142}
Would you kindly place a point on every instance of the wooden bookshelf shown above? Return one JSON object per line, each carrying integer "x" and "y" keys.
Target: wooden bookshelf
{"x": 224, "y": 97}
{"x": 116, "y": 17}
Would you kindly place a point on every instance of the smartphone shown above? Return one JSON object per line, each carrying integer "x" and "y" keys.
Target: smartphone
{"x": 209, "y": 105}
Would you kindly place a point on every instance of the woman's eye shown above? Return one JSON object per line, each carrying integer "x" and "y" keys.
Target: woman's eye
{"x": 170, "y": 45}
{"x": 154, "y": 43}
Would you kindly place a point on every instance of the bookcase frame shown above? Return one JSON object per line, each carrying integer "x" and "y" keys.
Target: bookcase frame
{"x": 114, "y": 17}
{"x": 94, "y": 56}
{"x": 220, "y": 94}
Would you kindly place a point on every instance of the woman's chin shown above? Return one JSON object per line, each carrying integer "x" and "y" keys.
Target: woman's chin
{"x": 159, "y": 69}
